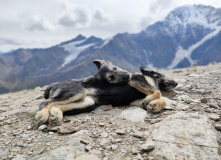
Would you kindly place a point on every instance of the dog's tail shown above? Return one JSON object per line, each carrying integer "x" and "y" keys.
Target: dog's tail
{"x": 47, "y": 91}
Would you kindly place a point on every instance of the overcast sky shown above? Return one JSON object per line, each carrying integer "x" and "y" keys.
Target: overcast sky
{"x": 43, "y": 23}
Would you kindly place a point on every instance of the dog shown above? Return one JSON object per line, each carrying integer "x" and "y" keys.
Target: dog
{"x": 79, "y": 90}
{"x": 142, "y": 90}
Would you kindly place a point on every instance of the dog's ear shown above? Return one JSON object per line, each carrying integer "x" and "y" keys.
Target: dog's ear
{"x": 98, "y": 63}
{"x": 109, "y": 63}
{"x": 144, "y": 70}
{"x": 89, "y": 79}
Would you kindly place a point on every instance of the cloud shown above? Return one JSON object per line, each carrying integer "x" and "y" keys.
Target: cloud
{"x": 102, "y": 17}
{"x": 38, "y": 23}
{"x": 78, "y": 17}
{"x": 155, "y": 7}
{"x": 8, "y": 41}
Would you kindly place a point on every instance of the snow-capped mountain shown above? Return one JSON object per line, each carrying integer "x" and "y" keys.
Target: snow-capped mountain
{"x": 188, "y": 35}
{"x": 187, "y": 28}
{"x": 76, "y": 46}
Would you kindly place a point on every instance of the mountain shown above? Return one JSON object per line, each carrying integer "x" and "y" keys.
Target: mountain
{"x": 188, "y": 35}
{"x": 27, "y": 68}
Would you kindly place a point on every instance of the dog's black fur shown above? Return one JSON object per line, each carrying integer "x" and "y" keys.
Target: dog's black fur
{"x": 124, "y": 94}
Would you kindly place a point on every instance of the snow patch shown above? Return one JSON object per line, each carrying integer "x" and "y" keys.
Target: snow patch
{"x": 74, "y": 51}
{"x": 106, "y": 41}
{"x": 181, "y": 53}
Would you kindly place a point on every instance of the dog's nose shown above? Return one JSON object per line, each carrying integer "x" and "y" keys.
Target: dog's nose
{"x": 176, "y": 84}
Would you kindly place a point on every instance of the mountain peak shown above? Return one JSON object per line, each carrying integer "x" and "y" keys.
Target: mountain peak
{"x": 194, "y": 15}
{"x": 78, "y": 38}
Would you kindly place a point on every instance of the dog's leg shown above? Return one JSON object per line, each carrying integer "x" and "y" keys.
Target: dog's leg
{"x": 154, "y": 95}
{"x": 42, "y": 116}
{"x": 156, "y": 105}
{"x": 56, "y": 113}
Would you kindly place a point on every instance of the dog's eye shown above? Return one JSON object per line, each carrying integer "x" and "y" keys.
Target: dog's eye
{"x": 115, "y": 68}
{"x": 111, "y": 78}
{"x": 166, "y": 83}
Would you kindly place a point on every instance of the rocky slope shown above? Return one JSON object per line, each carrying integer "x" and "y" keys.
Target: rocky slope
{"x": 189, "y": 127}
{"x": 188, "y": 35}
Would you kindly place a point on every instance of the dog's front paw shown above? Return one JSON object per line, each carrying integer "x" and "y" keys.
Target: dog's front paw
{"x": 145, "y": 103}
{"x": 40, "y": 118}
{"x": 154, "y": 106}
{"x": 56, "y": 117}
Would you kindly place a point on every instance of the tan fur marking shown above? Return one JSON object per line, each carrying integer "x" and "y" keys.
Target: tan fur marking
{"x": 86, "y": 102}
{"x": 150, "y": 81}
{"x": 153, "y": 96}
{"x": 70, "y": 100}
{"x": 146, "y": 91}
{"x": 108, "y": 76}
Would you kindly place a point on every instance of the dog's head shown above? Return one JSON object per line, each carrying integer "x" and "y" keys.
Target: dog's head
{"x": 107, "y": 72}
{"x": 164, "y": 84}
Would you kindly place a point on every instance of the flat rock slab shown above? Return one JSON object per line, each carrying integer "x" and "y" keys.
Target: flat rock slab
{"x": 135, "y": 114}
{"x": 69, "y": 150}
{"x": 185, "y": 136}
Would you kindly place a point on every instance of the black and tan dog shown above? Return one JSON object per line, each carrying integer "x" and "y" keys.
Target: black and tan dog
{"x": 79, "y": 90}
{"x": 142, "y": 90}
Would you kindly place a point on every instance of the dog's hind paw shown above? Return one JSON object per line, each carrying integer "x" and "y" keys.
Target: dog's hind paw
{"x": 56, "y": 116}
{"x": 40, "y": 118}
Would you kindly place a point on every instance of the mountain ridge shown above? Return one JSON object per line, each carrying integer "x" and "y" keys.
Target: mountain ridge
{"x": 185, "y": 37}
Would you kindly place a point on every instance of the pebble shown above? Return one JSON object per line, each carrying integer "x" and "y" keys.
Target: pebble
{"x": 29, "y": 127}
{"x": 2, "y": 118}
{"x": 152, "y": 121}
{"x": 209, "y": 110}
{"x": 199, "y": 91}
{"x": 42, "y": 127}
{"x": 104, "y": 134}
{"x": 203, "y": 100}
{"x": 87, "y": 157}
{"x": 88, "y": 148}
{"x": 138, "y": 134}
{"x": 134, "y": 150}
{"x": 217, "y": 126}
{"x": 4, "y": 153}
{"x": 118, "y": 140}
{"x": 104, "y": 142}
{"x": 114, "y": 146}
{"x": 169, "y": 107}
{"x": 101, "y": 124}
{"x": 214, "y": 117}
{"x": 120, "y": 131}
{"x": 148, "y": 146}
{"x": 185, "y": 98}
{"x": 139, "y": 157}
{"x": 51, "y": 133}
{"x": 184, "y": 107}
{"x": 214, "y": 105}
{"x": 84, "y": 141}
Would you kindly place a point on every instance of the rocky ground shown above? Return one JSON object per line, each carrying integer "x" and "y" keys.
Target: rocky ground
{"x": 189, "y": 127}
